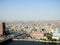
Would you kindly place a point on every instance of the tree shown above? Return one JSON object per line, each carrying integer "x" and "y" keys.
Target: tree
{"x": 49, "y": 36}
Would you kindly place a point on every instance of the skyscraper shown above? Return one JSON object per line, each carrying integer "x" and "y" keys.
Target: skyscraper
{"x": 1, "y": 28}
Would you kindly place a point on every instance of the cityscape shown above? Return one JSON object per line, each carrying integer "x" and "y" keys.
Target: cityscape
{"x": 29, "y": 22}
{"x": 45, "y": 31}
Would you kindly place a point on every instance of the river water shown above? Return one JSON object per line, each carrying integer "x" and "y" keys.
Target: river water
{"x": 29, "y": 43}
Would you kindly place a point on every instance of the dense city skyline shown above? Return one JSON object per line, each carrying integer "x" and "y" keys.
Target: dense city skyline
{"x": 29, "y": 10}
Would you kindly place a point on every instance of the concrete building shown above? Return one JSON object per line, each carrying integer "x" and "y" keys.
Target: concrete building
{"x": 1, "y": 28}
{"x": 56, "y": 34}
{"x": 37, "y": 35}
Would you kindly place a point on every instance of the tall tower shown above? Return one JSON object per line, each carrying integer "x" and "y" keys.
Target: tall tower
{"x": 1, "y": 28}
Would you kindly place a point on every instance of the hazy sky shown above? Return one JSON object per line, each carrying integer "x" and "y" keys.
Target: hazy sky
{"x": 29, "y": 10}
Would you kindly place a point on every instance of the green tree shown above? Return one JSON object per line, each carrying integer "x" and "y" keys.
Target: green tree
{"x": 49, "y": 36}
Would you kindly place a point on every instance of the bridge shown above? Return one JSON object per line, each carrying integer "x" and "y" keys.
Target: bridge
{"x": 11, "y": 36}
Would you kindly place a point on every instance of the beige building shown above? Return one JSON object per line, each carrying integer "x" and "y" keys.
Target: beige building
{"x": 1, "y": 28}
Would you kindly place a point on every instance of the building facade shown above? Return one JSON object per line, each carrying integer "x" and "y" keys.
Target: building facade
{"x": 56, "y": 34}
{"x": 1, "y": 28}
{"x": 37, "y": 35}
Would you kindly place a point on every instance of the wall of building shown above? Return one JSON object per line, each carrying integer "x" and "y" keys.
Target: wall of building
{"x": 1, "y": 28}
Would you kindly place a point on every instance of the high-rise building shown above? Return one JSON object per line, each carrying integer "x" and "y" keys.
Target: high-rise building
{"x": 1, "y": 28}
